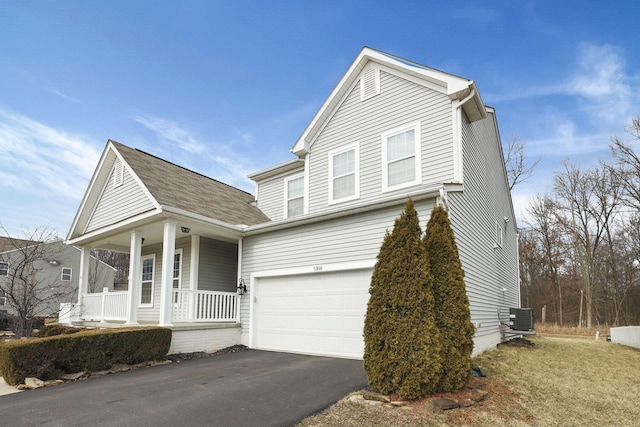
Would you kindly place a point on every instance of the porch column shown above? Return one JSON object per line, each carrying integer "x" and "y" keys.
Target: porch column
{"x": 135, "y": 278}
{"x": 166, "y": 285}
{"x": 194, "y": 268}
{"x": 83, "y": 279}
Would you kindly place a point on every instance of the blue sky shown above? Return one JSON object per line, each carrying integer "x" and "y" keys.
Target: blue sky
{"x": 226, "y": 87}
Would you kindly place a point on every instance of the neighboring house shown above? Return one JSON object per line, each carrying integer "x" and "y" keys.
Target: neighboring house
{"x": 306, "y": 247}
{"x": 56, "y": 267}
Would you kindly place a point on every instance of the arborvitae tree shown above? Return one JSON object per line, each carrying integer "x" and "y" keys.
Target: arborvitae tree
{"x": 402, "y": 353}
{"x": 453, "y": 317}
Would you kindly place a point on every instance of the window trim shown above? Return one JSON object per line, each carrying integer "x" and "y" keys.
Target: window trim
{"x": 356, "y": 172}
{"x": 286, "y": 194}
{"x": 153, "y": 277}
{"x": 62, "y": 275}
{"x": 180, "y": 252}
{"x": 417, "y": 152}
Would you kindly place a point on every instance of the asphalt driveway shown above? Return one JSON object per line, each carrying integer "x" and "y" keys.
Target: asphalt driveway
{"x": 248, "y": 388}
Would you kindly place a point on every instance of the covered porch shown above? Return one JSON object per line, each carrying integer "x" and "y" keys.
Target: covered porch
{"x": 181, "y": 271}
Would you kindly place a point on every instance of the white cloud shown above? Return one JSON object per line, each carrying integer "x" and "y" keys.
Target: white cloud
{"x": 172, "y": 132}
{"x": 36, "y": 157}
{"x": 44, "y": 173}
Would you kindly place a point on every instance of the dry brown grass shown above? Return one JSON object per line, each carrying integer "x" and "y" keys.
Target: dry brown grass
{"x": 569, "y": 381}
{"x": 570, "y": 331}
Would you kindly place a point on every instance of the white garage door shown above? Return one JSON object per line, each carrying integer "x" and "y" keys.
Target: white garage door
{"x": 319, "y": 313}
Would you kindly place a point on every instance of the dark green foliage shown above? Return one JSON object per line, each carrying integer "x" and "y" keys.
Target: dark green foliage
{"x": 94, "y": 350}
{"x": 453, "y": 317}
{"x": 54, "y": 329}
{"x": 402, "y": 353}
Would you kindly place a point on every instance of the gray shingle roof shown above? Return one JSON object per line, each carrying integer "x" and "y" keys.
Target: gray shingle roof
{"x": 174, "y": 186}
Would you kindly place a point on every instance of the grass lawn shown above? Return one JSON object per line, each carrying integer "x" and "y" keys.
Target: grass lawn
{"x": 562, "y": 380}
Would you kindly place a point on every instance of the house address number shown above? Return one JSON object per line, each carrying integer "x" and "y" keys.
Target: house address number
{"x": 317, "y": 268}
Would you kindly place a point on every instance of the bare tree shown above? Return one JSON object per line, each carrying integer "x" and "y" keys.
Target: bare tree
{"x": 516, "y": 164}
{"x": 28, "y": 290}
{"x": 589, "y": 199}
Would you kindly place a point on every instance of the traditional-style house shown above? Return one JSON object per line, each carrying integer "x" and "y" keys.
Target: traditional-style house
{"x": 289, "y": 270}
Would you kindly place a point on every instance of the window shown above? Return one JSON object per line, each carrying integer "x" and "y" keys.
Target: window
{"x": 4, "y": 268}
{"x": 3, "y": 298}
{"x": 177, "y": 272}
{"x": 401, "y": 157}
{"x": 146, "y": 288}
{"x": 344, "y": 174}
{"x": 294, "y": 196}
{"x": 66, "y": 275}
{"x": 499, "y": 235}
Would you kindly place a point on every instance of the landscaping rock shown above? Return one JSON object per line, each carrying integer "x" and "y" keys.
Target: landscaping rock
{"x": 369, "y": 395}
{"x": 478, "y": 395}
{"x": 32, "y": 383}
{"x": 442, "y": 404}
{"x": 72, "y": 377}
{"x": 53, "y": 382}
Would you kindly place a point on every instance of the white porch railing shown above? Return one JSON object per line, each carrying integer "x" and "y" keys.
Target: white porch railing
{"x": 188, "y": 306}
{"x": 105, "y": 305}
{"x": 205, "y": 306}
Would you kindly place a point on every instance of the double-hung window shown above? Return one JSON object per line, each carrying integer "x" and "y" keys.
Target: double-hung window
{"x": 401, "y": 157}
{"x": 4, "y": 269}
{"x": 146, "y": 288}
{"x": 66, "y": 275}
{"x": 344, "y": 174}
{"x": 499, "y": 238}
{"x": 294, "y": 196}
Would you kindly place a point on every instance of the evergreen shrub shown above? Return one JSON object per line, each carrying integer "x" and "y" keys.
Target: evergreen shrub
{"x": 50, "y": 357}
{"x": 452, "y": 313}
{"x": 402, "y": 351}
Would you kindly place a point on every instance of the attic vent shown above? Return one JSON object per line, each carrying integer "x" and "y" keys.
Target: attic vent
{"x": 118, "y": 173}
{"x": 369, "y": 83}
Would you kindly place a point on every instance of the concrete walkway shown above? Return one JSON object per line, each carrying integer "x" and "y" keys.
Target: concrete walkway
{"x": 248, "y": 388}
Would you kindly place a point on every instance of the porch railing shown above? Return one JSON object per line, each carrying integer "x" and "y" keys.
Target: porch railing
{"x": 205, "y": 306}
{"x": 188, "y": 306}
{"x": 105, "y": 305}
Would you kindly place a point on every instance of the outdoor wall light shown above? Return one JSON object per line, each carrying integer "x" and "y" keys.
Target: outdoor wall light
{"x": 53, "y": 262}
{"x": 242, "y": 288}
{"x": 185, "y": 229}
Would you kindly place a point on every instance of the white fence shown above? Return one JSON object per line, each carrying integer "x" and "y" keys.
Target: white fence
{"x": 188, "y": 306}
{"x": 627, "y": 335}
{"x": 105, "y": 305}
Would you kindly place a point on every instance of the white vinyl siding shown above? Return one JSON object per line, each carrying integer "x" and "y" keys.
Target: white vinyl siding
{"x": 148, "y": 279}
{"x": 294, "y": 196}
{"x": 473, "y": 216}
{"x": 400, "y": 102}
{"x": 401, "y": 157}
{"x": 319, "y": 243}
{"x": 344, "y": 174}
{"x": 66, "y": 275}
{"x": 119, "y": 203}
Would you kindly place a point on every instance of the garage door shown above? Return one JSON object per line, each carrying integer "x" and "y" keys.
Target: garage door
{"x": 319, "y": 313}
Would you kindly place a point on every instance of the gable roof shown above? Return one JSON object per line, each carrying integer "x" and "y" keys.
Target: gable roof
{"x": 170, "y": 188}
{"x": 457, "y": 88}
{"x": 9, "y": 243}
{"x": 177, "y": 187}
